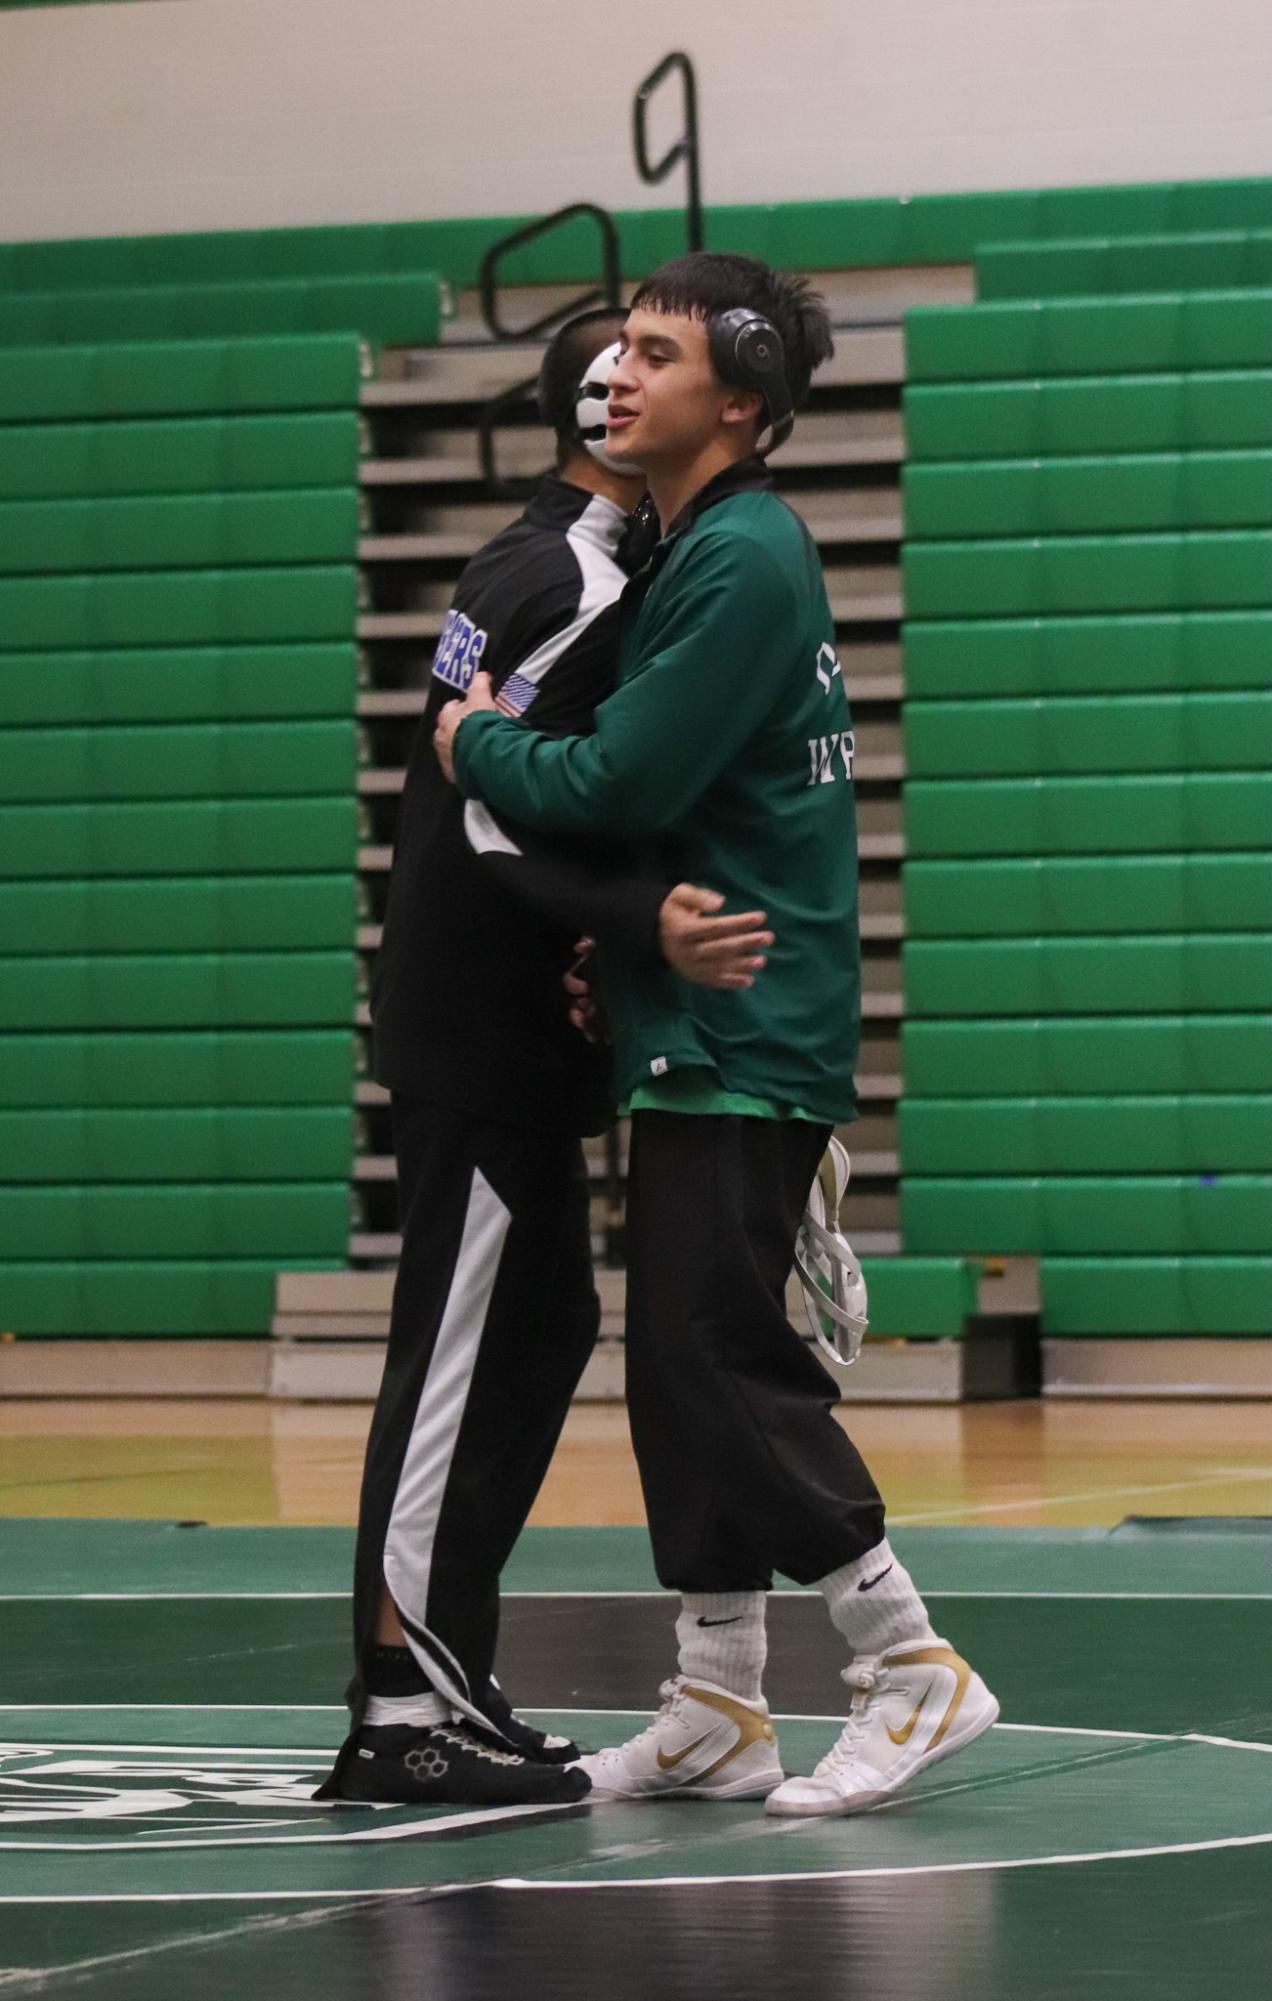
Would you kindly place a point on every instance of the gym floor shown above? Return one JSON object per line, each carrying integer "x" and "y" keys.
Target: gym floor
{"x": 1032, "y": 1464}
{"x": 171, "y": 1694}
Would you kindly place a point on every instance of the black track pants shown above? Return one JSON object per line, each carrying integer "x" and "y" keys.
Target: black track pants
{"x": 745, "y": 1470}
{"x": 494, "y": 1317}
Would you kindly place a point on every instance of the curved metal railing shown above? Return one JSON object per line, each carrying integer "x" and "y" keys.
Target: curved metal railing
{"x": 604, "y": 294}
{"x": 685, "y": 148}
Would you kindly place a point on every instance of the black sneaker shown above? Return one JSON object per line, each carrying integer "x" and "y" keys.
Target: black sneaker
{"x": 537, "y": 1745}
{"x": 447, "y": 1765}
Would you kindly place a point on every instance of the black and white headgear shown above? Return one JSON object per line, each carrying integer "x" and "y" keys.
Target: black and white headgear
{"x": 591, "y": 405}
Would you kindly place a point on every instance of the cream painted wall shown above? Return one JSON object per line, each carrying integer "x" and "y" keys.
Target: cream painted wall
{"x": 202, "y": 114}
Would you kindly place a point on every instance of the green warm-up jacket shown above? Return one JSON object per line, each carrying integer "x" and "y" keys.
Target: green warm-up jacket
{"x": 724, "y": 758}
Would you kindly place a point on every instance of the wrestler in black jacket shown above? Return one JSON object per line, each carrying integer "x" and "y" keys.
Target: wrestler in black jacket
{"x": 467, "y": 1003}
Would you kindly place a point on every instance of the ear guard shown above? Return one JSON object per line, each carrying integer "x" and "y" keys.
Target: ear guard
{"x": 591, "y": 404}
{"x": 553, "y": 396}
{"x": 834, "y": 1289}
{"x": 747, "y": 353}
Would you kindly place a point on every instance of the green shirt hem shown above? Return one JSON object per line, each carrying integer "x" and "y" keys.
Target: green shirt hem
{"x": 694, "y": 1093}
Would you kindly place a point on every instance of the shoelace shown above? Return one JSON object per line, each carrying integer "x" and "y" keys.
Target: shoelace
{"x": 866, "y": 1679}
{"x": 670, "y": 1695}
{"x": 468, "y": 1740}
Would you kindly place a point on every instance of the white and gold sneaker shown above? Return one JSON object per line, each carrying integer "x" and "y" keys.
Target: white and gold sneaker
{"x": 703, "y": 1744}
{"x": 910, "y": 1707}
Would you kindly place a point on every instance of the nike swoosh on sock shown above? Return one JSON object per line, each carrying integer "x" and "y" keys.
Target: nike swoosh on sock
{"x": 868, "y": 1584}
{"x": 721, "y": 1622}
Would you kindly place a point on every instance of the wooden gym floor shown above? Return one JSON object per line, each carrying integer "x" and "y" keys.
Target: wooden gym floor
{"x": 1027, "y": 1465}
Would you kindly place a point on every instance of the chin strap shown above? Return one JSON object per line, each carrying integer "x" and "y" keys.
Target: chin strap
{"x": 829, "y": 1273}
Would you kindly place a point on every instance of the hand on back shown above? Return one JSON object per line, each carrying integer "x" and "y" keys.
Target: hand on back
{"x": 709, "y": 949}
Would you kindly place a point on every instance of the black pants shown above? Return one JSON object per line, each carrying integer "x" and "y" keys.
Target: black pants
{"x": 494, "y": 1317}
{"x": 744, "y": 1469}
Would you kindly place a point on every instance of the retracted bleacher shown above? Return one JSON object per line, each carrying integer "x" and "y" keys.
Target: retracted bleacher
{"x": 180, "y": 441}
{"x": 1088, "y": 891}
{"x": 178, "y": 525}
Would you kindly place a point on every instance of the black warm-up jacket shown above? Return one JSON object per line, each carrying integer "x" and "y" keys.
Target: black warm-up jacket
{"x": 467, "y": 1004}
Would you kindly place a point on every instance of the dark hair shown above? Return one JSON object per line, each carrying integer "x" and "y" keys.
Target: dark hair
{"x": 707, "y": 282}
{"x": 565, "y": 363}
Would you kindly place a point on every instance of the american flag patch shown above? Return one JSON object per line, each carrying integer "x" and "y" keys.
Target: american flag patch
{"x": 516, "y": 695}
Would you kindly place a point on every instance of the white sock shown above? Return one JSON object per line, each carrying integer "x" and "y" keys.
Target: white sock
{"x": 420, "y": 1711}
{"x": 874, "y": 1604}
{"x": 722, "y": 1640}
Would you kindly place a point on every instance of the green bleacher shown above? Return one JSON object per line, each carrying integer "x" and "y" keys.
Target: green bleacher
{"x": 182, "y": 684}
{"x": 178, "y": 765}
{"x": 179, "y": 837}
{"x": 256, "y": 1143}
{"x": 1018, "y": 339}
{"x": 1209, "y": 410}
{"x": 187, "y": 378}
{"x": 1080, "y": 267}
{"x": 1069, "y": 735}
{"x": 1173, "y": 1054}
{"x": 1092, "y": 1215}
{"x": 135, "y": 1296}
{"x": 207, "y": 1067}
{"x": 395, "y": 309}
{"x": 179, "y": 914}
{"x": 1183, "y": 652}
{"x": 217, "y": 455}
{"x": 177, "y": 531}
{"x": 1156, "y": 1296}
{"x": 353, "y": 253}
{"x": 921, "y": 1298}
{"x": 1197, "y": 1133}
{"x": 1053, "y": 816}
{"x": 1072, "y": 895}
{"x": 179, "y": 607}
{"x": 90, "y": 990}
{"x": 1163, "y": 974}
{"x": 180, "y": 760}
{"x": 168, "y": 1221}
{"x": 1087, "y": 573}
{"x": 1087, "y": 1049}
{"x": 1087, "y": 495}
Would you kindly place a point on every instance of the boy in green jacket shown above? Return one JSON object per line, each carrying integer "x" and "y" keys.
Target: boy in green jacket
{"x": 725, "y": 756}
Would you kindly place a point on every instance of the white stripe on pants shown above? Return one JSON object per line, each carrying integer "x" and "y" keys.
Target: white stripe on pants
{"x": 421, "y": 1488}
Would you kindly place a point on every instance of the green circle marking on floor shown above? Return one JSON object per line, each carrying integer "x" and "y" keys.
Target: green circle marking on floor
{"x": 118, "y": 1803}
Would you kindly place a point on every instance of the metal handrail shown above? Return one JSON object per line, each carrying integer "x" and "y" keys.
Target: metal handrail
{"x": 604, "y": 294}
{"x": 685, "y": 148}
